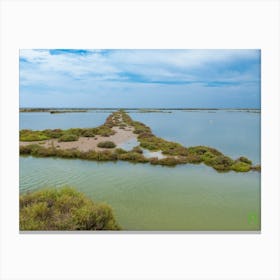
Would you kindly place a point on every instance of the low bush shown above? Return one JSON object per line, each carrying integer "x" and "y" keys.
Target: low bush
{"x": 68, "y": 153}
{"x": 106, "y": 144}
{"x": 32, "y": 135}
{"x": 68, "y": 138}
{"x": 138, "y": 150}
{"x": 246, "y": 160}
{"x": 89, "y": 132}
{"x": 168, "y": 161}
{"x": 120, "y": 151}
{"x": 63, "y": 209}
{"x": 221, "y": 163}
{"x": 53, "y": 133}
{"x": 240, "y": 166}
{"x": 133, "y": 157}
{"x": 195, "y": 159}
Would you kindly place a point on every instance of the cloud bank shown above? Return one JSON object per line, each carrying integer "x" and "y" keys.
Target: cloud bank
{"x": 140, "y": 78}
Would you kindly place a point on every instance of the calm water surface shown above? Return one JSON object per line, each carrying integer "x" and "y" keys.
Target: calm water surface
{"x": 145, "y": 197}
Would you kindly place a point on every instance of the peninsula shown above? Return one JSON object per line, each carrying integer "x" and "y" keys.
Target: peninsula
{"x": 103, "y": 144}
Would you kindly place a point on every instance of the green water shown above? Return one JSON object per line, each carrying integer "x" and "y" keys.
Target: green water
{"x": 145, "y": 197}
{"x": 148, "y": 197}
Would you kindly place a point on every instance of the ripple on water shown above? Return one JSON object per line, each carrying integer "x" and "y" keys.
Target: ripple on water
{"x": 153, "y": 197}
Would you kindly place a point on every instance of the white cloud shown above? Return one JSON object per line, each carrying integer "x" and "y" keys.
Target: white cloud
{"x": 135, "y": 71}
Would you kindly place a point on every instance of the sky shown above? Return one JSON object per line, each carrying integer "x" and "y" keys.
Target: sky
{"x": 140, "y": 78}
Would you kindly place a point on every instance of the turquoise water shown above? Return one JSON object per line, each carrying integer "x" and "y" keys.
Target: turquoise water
{"x": 145, "y": 197}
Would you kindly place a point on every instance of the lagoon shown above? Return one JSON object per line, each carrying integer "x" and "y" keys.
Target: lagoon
{"x": 145, "y": 197}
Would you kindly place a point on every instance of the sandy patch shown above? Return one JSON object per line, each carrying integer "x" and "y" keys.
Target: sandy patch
{"x": 85, "y": 144}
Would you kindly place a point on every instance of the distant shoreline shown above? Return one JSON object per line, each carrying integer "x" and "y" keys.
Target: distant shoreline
{"x": 141, "y": 110}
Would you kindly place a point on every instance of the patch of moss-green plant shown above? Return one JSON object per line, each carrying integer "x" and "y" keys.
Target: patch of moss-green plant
{"x": 33, "y": 135}
{"x": 68, "y": 138}
{"x": 106, "y": 144}
{"x": 64, "y": 209}
{"x": 240, "y": 166}
{"x": 27, "y": 135}
{"x": 138, "y": 150}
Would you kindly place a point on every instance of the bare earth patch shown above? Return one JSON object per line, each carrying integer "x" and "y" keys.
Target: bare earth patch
{"x": 85, "y": 144}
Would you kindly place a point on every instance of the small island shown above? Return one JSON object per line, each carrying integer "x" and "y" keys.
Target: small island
{"x": 102, "y": 144}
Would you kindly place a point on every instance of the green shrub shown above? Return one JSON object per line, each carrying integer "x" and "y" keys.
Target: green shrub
{"x": 74, "y": 131}
{"x": 133, "y": 157}
{"x": 120, "y": 151}
{"x": 222, "y": 163}
{"x": 53, "y": 133}
{"x": 202, "y": 150}
{"x": 27, "y": 150}
{"x": 240, "y": 166}
{"x": 45, "y": 152}
{"x": 68, "y": 153}
{"x": 195, "y": 159}
{"x": 138, "y": 150}
{"x": 106, "y": 156}
{"x": 89, "y": 133}
{"x": 246, "y": 160}
{"x": 32, "y": 135}
{"x": 64, "y": 209}
{"x": 68, "y": 138}
{"x": 106, "y": 144}
{"x": 105, "y": 130}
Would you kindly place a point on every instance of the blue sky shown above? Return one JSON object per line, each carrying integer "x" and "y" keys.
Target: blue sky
{"x": 140, "y": 78}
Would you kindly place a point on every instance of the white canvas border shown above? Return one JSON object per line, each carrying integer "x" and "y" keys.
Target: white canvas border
{"x": 156, "y": 24}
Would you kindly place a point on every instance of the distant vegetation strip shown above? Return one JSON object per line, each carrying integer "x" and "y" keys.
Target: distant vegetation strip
{"x": 67, "y": 111}
{"x": 175, "y": 153}
{"x": 52, "y": 111}
{"x": 64, "y": 209}
{"x": 139, "y": 110}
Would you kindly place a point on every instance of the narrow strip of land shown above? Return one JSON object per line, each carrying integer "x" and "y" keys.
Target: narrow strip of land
{"x": 101, "y": 144}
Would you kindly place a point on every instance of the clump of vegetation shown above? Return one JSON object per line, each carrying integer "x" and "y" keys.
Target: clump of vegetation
{"x": 53, "y": 133}
{"x": 133, "y": 157}
{"x": 245, "y": 160}
{"x": 32, "y": 135}
{"x": 88, "y": 132}
{"x": 67, "y": 111}
{"x": 240, "y": 166}
{"x": 39, "y": 135}
{"x": 168, "y": 161}
{"x": 106, "y": 144}
{"x": 120, "y": 151}
{"x": 138, "y": 150}
{"x": 64, "y": 209}
{"x": 68, "y": 138}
